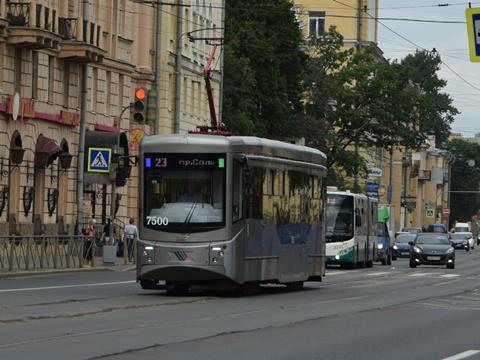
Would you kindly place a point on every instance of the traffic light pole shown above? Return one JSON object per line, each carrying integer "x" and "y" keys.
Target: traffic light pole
{"x": 158, "y": 62}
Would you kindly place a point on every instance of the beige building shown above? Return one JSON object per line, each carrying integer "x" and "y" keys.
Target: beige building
{"x": 43, "y": 46}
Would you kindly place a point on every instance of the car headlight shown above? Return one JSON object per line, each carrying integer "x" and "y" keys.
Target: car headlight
{"x": 451, "y": 250}
{"x": 395, "y": 247}
{"x": 417, "y": 249}
{"x": 380, "y": 246}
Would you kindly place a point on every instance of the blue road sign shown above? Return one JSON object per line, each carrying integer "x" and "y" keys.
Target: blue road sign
{"x": 99, "y": 160}
{"x": 372, "y": 189}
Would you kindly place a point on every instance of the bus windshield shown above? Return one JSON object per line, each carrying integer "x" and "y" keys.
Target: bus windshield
{"x": 339, "y": 218}
{"x": 184, "y": 192}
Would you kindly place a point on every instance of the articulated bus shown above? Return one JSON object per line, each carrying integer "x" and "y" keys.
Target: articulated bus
{"x": 218, "y": 210}
{"x": 351, "y": 229}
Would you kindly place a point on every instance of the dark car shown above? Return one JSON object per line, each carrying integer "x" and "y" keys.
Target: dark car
{"x": 432, "y": 249}
{"x": 437, "y": 228}
{"x": 412, "y": 230}
{"x": 461, "y": 240}
{"x": 401, "y": 248}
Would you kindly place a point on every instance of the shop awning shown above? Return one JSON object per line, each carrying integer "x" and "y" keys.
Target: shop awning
{"x": 46, "y": 151}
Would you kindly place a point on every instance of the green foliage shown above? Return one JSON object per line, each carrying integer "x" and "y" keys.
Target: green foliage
{"x": 263, "y": 66}
{"x": 464, "y": 178}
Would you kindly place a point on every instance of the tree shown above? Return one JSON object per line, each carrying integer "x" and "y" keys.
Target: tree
{"x": 464, "y": 177}
{"x": 435, "y": 109}
{"x": 263, "y": 66}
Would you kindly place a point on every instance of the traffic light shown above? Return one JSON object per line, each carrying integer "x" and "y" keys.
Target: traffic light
{"x": 140, "y": 106}
{"x": 123, "y": 171}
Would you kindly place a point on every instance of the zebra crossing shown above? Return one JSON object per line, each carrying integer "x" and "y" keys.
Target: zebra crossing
{"x": 392, "y": 272}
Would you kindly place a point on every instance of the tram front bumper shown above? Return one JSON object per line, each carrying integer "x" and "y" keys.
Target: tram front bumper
{"x": 345, "y": 256}
{"x": 181, "y": 273}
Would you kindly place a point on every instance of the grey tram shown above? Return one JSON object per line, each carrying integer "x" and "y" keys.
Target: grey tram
{"x": 229, "y": 211}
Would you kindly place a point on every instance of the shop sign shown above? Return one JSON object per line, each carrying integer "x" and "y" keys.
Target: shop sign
{"x": 69, "y": 118}
{"x": 18, "y": 107}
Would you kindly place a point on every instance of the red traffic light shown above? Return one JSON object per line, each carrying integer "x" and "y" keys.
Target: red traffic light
{"x": 140, "y": 94}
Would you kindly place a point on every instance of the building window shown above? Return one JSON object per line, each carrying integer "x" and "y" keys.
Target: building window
{"x": 108, "y": 93}
{"x": 18, "y": 70}
{"x": 34, "y": 75}
{"x": 185, "y": 95}
{"x": 66, "y": 84}
{"x": 94, "y": 88}
{"x": 316, "y": 23}
{"x": 51, "y": 80}
{"x": 121, "y": 82}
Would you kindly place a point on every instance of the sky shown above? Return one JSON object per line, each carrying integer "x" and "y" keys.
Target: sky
{"x": 450, "y": 40}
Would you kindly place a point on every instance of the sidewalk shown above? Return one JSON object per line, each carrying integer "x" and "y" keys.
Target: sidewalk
{"x": 119, "y": 266}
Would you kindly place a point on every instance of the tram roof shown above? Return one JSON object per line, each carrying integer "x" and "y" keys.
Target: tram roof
{"x": 238, "y": 144}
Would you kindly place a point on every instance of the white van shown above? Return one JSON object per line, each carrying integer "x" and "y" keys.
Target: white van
{"x": 462, "y": 227}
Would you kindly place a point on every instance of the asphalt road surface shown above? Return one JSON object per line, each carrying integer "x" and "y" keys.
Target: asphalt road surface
{"x": 388, "y": 312}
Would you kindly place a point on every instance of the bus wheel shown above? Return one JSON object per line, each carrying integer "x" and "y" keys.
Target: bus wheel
{"x": 295, "y": 286}
{"x": 389, "y": 258}
{"x": 176, "y": 288}
{"x": 149, "y": 285}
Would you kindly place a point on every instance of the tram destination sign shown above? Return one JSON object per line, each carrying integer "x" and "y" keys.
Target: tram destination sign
{"x": 176, "y": 161}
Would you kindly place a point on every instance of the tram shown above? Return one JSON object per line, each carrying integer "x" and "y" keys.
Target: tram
{"x": 351, "y": 232}
{"x": 218, "y": 210}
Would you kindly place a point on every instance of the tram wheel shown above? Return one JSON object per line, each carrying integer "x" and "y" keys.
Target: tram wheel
{"x": 149, "y": 285}
{"x": 249, "y": 288}
{"x": 295, "y": 286}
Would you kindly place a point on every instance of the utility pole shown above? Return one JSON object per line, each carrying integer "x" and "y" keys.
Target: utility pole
{"x": 222, "y": 58}
{"x": 158, "y": 65}
{"x": 178, "y": 68}
{"x": 82, "y": 130}
{"x": 359, "y": 42}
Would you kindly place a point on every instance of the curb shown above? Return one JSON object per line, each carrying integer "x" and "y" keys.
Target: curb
{"x": 61, "y": 271}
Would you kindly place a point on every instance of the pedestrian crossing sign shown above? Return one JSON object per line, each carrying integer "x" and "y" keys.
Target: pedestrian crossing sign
{"x": 473, "y": 28}
{"x": 99, "y": 160}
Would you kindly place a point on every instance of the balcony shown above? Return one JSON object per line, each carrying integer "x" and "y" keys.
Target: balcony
{"x": 80, "y": 40}
{"x": 31, "y": 25}
{"x": 3, "y": 18}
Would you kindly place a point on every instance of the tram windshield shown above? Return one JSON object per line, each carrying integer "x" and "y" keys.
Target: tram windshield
{"x": 339, "y": 218}
{"x": 184, "y": 192}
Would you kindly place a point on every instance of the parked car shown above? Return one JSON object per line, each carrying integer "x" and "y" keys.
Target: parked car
{"x": 437, "y": 228}
{"x": 412, "y": 230}
{"x": 460, "y": 241}
{"x": 432, "y": 249}
{"x": 384, "y": 245}
{"x": 401, "y": 247}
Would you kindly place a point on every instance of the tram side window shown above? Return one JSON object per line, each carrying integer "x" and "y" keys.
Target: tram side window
{"x": 237, "y": 196}
{"x": 254, "y": 194}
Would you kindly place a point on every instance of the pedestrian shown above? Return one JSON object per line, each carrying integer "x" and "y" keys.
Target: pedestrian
{"x": 106, "y": 233}
{"x": 130, "y": 234}
{"x": 89, "y": 239}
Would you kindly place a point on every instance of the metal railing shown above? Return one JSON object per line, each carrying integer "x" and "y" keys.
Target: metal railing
{"x": 24, "y": 253}
{"x": 18, "y": 13}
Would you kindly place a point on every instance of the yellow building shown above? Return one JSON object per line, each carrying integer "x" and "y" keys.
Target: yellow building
{"x": 44, "y": 45}
{"x": 352, "y": 19}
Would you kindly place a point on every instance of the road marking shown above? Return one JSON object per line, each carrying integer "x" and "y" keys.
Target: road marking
{"x": 379, "y": 273}
{"x": 67, "y": 286}
{"x": 463, "y": 355}
{"x": 450, "y": 275}
{"x": 421, "y": 274}
{"x": 336, "y": 273}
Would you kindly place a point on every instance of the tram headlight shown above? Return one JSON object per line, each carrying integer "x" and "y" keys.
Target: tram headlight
{"x": 217, "y": 254}
{"x": 380, "y": 246}
{"x": 148, "y": 255}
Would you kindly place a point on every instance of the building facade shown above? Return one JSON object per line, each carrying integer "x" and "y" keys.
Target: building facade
{"x": 44, "y": 45}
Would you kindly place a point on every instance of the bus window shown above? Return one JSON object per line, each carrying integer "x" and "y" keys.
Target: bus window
{"x": 237, "y": 195}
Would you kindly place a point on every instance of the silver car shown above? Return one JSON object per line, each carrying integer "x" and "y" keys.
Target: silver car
{"x": 467, "y": 236}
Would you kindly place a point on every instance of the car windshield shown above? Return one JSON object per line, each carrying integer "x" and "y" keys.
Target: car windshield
{"x": 412, "y": 230}
{"x": 185, "y": 193}
{"x": 436, "y": 228}
{"x": 459, "y": 236}
{"x": 404, "y": 238}
{"x": 462, "y": 229}
{"x": 432, "y": 239}
{"x": 339, "y": 218}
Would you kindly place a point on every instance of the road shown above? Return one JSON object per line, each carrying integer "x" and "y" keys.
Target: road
{"x": 380, "y": 313}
